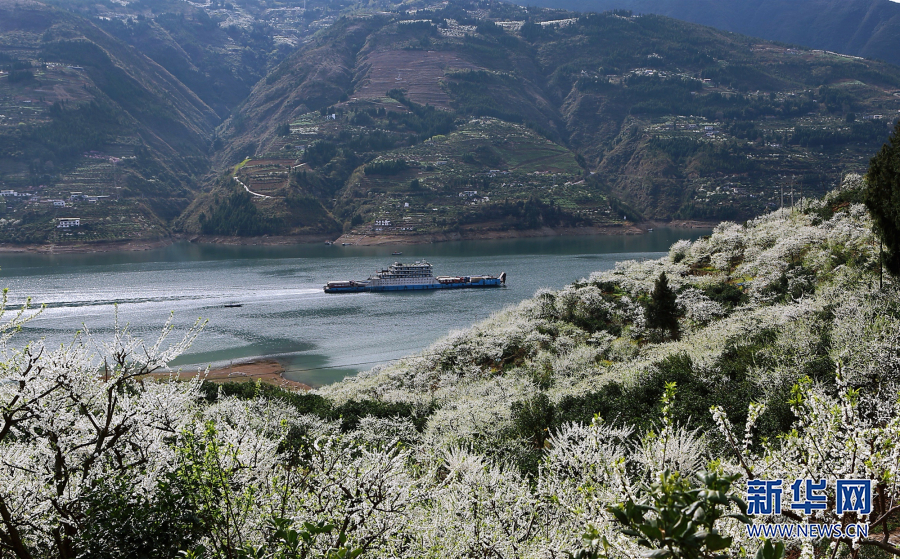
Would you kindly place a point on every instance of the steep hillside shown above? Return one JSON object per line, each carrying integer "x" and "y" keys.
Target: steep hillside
{"x": 219, "y": 65}
{"x": 758, "y": 306}
{"x": 92, "y": 124}
{"x": 218, "y": 49}
{"x": 869, "y": 28}
{"x": 666, "y": 119}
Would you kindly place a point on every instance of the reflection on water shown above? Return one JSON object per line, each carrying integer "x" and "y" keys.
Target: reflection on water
{"x": 283, "y": 312}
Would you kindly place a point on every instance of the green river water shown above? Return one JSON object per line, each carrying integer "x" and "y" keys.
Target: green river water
{"x": 284, "y": 313}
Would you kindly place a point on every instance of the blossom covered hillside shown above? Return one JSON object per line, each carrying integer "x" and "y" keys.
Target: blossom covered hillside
{"x": 619, "y": 417}
{"x": 764, "y": 304}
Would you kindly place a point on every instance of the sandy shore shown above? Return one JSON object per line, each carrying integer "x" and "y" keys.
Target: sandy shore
{"x": 266, "y": 371}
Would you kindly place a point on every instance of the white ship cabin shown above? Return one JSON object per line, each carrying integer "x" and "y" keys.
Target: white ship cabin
{"x": 421, "y": 269}
{"x": 66, "y": 222}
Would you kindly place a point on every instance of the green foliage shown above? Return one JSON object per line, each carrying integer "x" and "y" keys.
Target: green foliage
{"x": 622, "y": 208}
{"x": 770, "y": 550}
{"x": 523, "y": 214}
{"x": 286, "y": 542}
{"x": 303, "y": 402}
{"x": 793, "y": 283}
{"x": 595, "y": 546}
{"x": 663, "y": 311}
{"x": 20, "y": 76}
{"x": 73, "y": 131}
{"x": 238, "y": 216}
{"x": 219, "y": 504}
{"x": 319, "y": 153}
{"x": 706, "y": 157}
{"x": 423, "y": 121}
{"x": 533, "y": 418}
{"x": 868, "y": 132}
{"x": 677, "y": 520}
{"x": 882, "y": 197}
{"x": 376, "y": 140}
{"x": 839, "y": 202}
{"x": 484, "y": 155}
{"x": 131, "y": 524}
{"x": 726, "y": 294}
{"x": 638, "y": 404}
{"x": 349, "y": 413}
{"x": 391, "y": 167}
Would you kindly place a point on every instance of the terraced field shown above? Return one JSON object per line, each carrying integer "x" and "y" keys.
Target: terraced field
{"x": 418, "y": 72}
{"x": 469, "y": 177}
{"x": 266, "y": 176}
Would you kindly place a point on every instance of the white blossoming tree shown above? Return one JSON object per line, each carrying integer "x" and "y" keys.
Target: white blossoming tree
{"x": 73, "y": 417}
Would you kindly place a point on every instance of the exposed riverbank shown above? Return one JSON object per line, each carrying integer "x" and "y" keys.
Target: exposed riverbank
{"x": 266, "y": 371}
{"x": 359, "y": 239}
{"x": 363, "y": 239}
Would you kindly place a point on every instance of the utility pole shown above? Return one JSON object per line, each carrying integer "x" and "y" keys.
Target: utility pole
{"x": 792, "y": 193}
{"x": 781, "y": 209}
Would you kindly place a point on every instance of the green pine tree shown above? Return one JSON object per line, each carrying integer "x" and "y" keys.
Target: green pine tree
{"x": 662, "y": 310}
{"x": 882, "y": 197}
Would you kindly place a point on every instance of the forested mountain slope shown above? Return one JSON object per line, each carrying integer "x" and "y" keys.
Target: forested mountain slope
{"x": 465, "y": 119}
{"x": 621, "y": 117}
{"x": 869, "y": 28}
{"x": 84, "y": 113}
{"x": 218, "y": 49}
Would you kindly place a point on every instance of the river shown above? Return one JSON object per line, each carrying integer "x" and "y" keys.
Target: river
{"x": 283, "y": 311}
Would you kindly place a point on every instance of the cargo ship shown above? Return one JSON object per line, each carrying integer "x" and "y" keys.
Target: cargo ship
{"x": 403, "y": 277}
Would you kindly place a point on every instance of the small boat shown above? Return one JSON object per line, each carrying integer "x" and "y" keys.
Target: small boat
{"x": 345, "y": 244}
{"x": 396, "y": 253}
{"x": 233, "y": 305}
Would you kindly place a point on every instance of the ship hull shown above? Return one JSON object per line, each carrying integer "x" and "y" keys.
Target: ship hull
{"x": 413, "y": 277}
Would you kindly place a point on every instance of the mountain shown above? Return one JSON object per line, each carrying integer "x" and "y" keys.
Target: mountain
{"x": 868, "y": 28}
{"x": 468, "y": 119}
{"x": 141, "y": 86}
{"x": 218, "y": 49}
{"x": 484, "y": 117}
{"x": 90, "y": 122}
